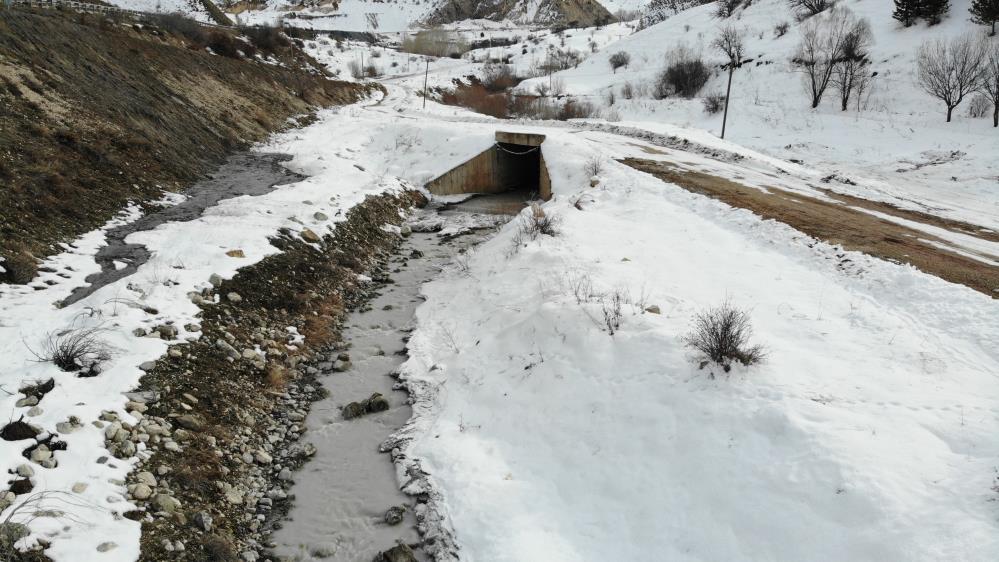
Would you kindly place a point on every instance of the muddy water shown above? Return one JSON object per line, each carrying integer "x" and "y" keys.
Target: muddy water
{"x": 246, "y": 173}
{"x": 342, "y": 494}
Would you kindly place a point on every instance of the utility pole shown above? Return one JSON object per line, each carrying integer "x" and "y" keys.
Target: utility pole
{"x": 728, "y": 92}
{"x": 425, "y": 76}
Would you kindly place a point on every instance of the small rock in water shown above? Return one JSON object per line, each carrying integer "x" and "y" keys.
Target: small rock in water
{"x": 375, "y": 403}
{"x": 406, "y": 230}
{"x": 320, "y": 216}
{"x": 394, "y": 515}
{"x": 398, "y": 553}
{"x": 106, "y": 546}
{"x": 654, "y": 309}
{"x": 215, "y": 279}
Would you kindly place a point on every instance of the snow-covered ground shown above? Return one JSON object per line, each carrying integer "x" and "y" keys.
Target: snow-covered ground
{"x": 867, "y": 434}
{"x": 897, "y": 128}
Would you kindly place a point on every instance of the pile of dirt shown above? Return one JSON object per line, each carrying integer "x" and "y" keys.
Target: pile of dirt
{"x": 95, "y": 113}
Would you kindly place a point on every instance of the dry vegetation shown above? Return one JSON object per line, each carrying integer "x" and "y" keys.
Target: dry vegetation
{"x": 76, "y": 144}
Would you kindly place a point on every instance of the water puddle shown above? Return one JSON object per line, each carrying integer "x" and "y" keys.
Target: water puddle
{"x": 246, "y": 173}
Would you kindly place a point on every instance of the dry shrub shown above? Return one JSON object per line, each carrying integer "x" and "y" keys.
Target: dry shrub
{"x": 499, "y": 77}
{"x": 73, "y": 349}
{"x": 722, "y": 335}
{"x": 266, "y": 38}
{"x": 714, "y": 103}
{"x": 685, "y": 74}
{"x": 477, "y": 98}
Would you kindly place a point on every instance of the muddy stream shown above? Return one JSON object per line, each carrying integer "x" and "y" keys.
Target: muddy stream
{"x": 342, "y": 494}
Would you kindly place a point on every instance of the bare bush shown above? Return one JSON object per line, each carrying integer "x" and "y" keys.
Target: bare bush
{"x": 594, "y": 165}
{"x": 979, "y": 106}
{"x": 618, "y": 60}
{"x": 611, "y": 307}
{"x": 781, "y": 29}
{"x": 727, "y": 8}
{"x": 685, "y": 74}
{"x": 714, "y": 103}
{"x": 74, "y": 349}
{"x": 808, "y": 8}
{"x": 949, "y": 71}
{"x": 498, "y": 77}
{"x": 722, "y": 335}
{"x": 539, "y": 223}
{"x": 627, "y": 91}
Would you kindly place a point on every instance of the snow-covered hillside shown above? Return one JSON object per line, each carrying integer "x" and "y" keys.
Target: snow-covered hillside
{"x": 897, "y": 139}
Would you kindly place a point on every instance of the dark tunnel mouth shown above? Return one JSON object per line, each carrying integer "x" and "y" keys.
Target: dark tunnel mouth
{"x": 520, "y": 168}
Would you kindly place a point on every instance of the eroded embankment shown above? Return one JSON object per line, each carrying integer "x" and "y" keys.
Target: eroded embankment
{"x": 222, "y": 415}
{"x": 95, "y": 113}
{"x": 842, "y": 221}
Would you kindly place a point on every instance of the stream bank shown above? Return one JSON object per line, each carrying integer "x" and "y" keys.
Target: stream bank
{"x": 347, "y": 502}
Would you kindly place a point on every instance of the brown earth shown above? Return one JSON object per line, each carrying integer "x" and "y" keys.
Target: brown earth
{"x": 96, "y": 113}
{"x": 835, "y": 222}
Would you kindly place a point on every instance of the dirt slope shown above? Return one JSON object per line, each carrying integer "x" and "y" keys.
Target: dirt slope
{"x": 95, "y": 113}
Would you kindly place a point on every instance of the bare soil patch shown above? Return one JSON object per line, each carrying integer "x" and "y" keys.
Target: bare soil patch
{"x": 835, "y": 222}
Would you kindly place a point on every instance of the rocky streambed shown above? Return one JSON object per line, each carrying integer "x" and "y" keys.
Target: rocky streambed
{"x": 347, "y": 504}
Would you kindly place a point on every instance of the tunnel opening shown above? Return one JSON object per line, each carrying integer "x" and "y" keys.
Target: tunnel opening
{"x": 501, "y": 179}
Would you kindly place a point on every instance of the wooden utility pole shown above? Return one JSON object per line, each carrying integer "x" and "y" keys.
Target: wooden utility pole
{"x": 425, "y": 76}
{"x": 728, "y": 92}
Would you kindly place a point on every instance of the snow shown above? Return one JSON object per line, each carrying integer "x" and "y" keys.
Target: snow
{"x": 867, "y": 434}
{"x": 869, "y": 429}
{"x": 898, "y": 125}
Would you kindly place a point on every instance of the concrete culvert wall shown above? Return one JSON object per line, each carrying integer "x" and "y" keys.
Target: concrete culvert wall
{"x": 514, "y": 164}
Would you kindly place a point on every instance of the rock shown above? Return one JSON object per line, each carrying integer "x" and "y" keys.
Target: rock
{"x": 146, "y": 478}
{"x": 79, "y": 487}
{"x": 654, "y": 309}
{"x": 375, "y": 403}
{"x": 398, "y": 553}
{"x": 203, "y": 521}
{"x": 406, "y": 230}
{"x": 309, "y": 236}
{"x": 6, "y": 499}
{"x": 237, "y": 253}
{"x": 34, "y": 411}
{"x": 17, "y": 430}
{"x": 26, "y": 401}
{"x": 594, "y": 181}
{"x": 25, "y": 470}
{"x": 41, "y": 453}
{"x": 285, "y": 474}
{"x": 191, "y": 422}
{"x": 234, "y": 297}
{"x": 142, "y": 492}
{"x": 139, "y": 332}
{"x": 320, "y": 216}
{"x": 167, "y": 331}
{"x": 394, "y": 515}
{"x": 10, "y": 533}
{"x": 148, "y": 366}
{"x": 340, "y": 366}
{"x": 167, "y": 503}
{"x": 249, "y": 556}
{"x": 106, "y": 546}
{"x": 263, "y": 458}
{"x": 215, "y": 279}
{"x": 234, "y": 496}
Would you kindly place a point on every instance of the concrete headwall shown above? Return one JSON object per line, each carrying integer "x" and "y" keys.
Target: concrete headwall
{"x": 495, "y": 170}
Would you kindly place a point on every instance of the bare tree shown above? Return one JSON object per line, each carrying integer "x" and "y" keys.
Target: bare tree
{"x": 951, "y": 71}
{"x": 729, "y": 42}
{"x": 808, "y": 8}
{"x": 619, "y": 59}
{"x": 850, "y": 73}
{"x": 822, "y": 43}
{"x": 990, "y": 80}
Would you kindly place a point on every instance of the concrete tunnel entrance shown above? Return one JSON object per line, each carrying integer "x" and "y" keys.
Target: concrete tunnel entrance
{"x": 514, "y": 167}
